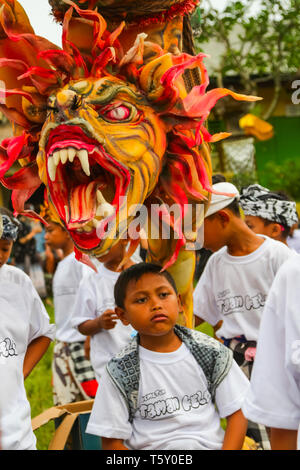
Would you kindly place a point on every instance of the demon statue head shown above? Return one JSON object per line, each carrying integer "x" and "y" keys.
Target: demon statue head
{"x": 105, "y": 123}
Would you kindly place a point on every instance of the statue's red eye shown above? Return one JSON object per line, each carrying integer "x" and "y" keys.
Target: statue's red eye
{"x": 118, "y": 114}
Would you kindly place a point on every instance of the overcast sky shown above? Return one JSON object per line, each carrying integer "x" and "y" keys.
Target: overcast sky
{"x": 38, "y": 12}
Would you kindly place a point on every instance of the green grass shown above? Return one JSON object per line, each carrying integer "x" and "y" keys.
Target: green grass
{"x": 205, "y": 328}
{"x": 39, "y": 392}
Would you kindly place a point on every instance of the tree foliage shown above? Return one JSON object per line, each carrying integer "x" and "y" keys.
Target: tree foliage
{"x": 283, "y": 176}
{"x": 260, "y": 38}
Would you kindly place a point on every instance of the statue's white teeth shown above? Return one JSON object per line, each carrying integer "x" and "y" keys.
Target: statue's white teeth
{"x": 56, "y": 156}
{"x": 104, "y": 209}
{"x": 84, "y": 160}
{"x": 71, "y": 154}
{"x": 65, "y": 155}
{"x": 88, "y": 228}
{"x": 51, "y": 168}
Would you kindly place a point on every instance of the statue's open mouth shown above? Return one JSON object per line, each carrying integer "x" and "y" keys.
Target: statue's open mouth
{"x": 86, "y": 184}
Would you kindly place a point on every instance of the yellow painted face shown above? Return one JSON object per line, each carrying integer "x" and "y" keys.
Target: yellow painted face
{"x": 100, "y": 154}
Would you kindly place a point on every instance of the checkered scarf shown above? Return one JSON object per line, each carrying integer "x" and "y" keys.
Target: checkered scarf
{"x": 9, "y": 228}
{"x": 260, "y": 202}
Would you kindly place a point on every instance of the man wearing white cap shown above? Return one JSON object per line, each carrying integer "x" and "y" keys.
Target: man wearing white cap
{"x": 236, "y": 280}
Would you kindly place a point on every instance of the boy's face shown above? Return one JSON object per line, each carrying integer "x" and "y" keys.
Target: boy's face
{"x": 213, "y": 233}
{"x": 55, "y": 236}
{"x": 5, "y": 251}
{"x": 151, "y": 305}
{"x": 257, "y": 225}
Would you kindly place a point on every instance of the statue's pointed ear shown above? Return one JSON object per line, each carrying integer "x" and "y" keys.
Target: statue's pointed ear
{"x": 19, "y": 48}
{"x": 164, "y": 86}
{"x": 14, "y": 18}
{"x": 150, "y": 78}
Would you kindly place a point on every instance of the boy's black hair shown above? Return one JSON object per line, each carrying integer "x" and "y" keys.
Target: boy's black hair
{"x": 5, "y": 211}
{"x": 218, "y": 178}
{"x": 134, "y": 273}
{"x": 234, "y": 207}
{"x": 281, "y": 196}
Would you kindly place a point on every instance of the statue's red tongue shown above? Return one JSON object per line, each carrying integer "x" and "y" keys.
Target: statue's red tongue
{"x": 82, "y": 205}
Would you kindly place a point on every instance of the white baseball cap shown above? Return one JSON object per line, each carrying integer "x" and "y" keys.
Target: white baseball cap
{"x": 227, "y": 193}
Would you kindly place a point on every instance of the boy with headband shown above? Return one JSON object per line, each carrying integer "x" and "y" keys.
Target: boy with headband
{"x": 268, "y": 213}
{"x": 237, "y": 278}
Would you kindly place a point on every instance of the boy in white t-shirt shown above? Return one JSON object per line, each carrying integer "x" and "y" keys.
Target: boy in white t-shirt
{"x": 170, "y": 385}
{"x": 73, "y": 376}
{"x": 274, "y": 396}
{"x": 94, "y": 310}
{"x": 25, "y": 335}
{"x": 237, "y": 278}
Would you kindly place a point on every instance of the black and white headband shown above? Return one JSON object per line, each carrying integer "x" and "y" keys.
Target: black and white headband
{"x": 260, "y": 202}
{"x": 9, "y": 229}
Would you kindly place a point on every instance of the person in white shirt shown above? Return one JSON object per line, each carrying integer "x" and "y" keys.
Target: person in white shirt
{"x": 25, "y": 335}
{"x": 269, "y": 213}
{"x": 155, "y": 394}
{"x": 73, "y": 376}
{"x": 94, "y": 310}
{"x": 274, "y": 395}
{"x": 293, "y": 240}
{"x": 233, "y": 288}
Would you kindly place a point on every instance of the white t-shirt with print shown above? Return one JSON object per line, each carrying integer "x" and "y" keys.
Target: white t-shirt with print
{"x": 23, "y": 319}
{"x": 234, "y": 288}
{"x": 66, "y": 280}
{"x": 95, "y": 295}
{"x": 274, "y": 396}
{"x": 175, "y": 410}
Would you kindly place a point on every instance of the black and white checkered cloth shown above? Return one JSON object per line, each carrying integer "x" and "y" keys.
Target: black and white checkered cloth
{"x": 257, "y": 432}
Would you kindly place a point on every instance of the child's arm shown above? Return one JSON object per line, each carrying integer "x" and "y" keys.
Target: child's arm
{"x": 112, "y": 444}
{"x": 35, "y": 351}
{"x": 87, "y": 347}
{"x": 106, "y": 321}
{"x": 235, "y": 431}
{"x": 283, "y": 439}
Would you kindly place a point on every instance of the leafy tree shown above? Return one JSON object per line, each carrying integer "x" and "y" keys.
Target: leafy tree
{"x": 260, "y": 44}
{"x": 284, "y": 176}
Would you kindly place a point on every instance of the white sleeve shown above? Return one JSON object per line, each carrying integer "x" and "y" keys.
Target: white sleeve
{"x": 85, "y": 306}
{"x": 204, "y": 303}
{"x": 81, "y": 270}
{"x": 282, "y": 254}
{"x": 231, "y": 392}
{"x": 39, "y": 319}
{"x": 109, "y": 416}
{"x": 274, "y": 395}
